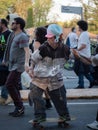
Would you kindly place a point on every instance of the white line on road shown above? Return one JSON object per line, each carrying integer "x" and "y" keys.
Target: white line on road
{"x": 71, "y": 103}
{"x": 83, "y": 103}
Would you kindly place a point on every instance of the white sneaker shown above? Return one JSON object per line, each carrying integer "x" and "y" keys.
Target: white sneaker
{"x": 93, "y": 125}
{"x": 8, "y": 101}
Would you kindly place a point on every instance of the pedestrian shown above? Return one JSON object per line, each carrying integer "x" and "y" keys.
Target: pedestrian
{"x": 94, "y": 125}
{"x": 46, "y": 73}
{"x": 84, "y": 50}
{"x": 72, "y": 39}
{"x": 18, "y": 62}
{"x": 72, "y": 42}
{"x": 5, "y": 32}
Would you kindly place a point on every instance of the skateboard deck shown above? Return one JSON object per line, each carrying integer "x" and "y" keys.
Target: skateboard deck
{"x": 50, "y": 119}
{"x": 41, "y": 125}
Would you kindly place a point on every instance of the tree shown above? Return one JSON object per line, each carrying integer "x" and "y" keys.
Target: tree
{"x": 22, "y": 6}
{"x": 18, "y": 6}
{"x": 90, "y": 10}
{"x": 40, "y": 11}
{"x": 4, "y": 7}
{"x": 86, "y": 9}
{"x": 29, "y": 18}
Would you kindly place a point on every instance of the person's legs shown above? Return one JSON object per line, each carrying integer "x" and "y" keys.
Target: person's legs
{"x": 80, "y": 73}
{"x": 35, "y": 96}
{"x": 58, "y": 97}
{"x": 81, "y": 80}
{"x": 90, "y": 78}
{"x": 12, "y": 85}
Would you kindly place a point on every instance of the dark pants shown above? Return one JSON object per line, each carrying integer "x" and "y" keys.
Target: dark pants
{"x": 95, "y": 74}
{"x": 97, "y": 116}
{"x": 82, "y": 69}
{"x": 12, "y": 85}
{"x": 57, "y": 96}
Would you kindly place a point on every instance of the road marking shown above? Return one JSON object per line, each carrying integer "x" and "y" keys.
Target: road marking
{"x": 69, "y": 103}
{"x": 83, "y": 103}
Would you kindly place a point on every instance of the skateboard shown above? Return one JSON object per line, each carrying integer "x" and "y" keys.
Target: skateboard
{"x": 41, "y": 125}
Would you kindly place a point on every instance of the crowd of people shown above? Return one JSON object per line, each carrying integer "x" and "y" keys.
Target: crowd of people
{"x": 44, "y": 60}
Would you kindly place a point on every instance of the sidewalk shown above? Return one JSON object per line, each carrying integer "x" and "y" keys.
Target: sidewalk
{"x": 72, "y": 93}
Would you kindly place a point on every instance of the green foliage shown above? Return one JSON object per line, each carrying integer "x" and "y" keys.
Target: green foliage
{"x": 19, "y": 6}
{"x": 40, "y": 11}
{"x": 70, "y": 24}
{"x": 29, "y": 20}
{"x": 4, "y": 7}
{"x": 90, "y": 13}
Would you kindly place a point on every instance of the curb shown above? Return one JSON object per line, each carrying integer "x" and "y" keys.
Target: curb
{"x": 71, "y": 93}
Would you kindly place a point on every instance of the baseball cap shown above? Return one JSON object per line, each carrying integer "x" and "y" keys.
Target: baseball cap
{"x": 54, "y": 30}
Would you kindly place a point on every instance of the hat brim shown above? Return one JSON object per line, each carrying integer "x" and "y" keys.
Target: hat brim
{"x": 49, "y": 35}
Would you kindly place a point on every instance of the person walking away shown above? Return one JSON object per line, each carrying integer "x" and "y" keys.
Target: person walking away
{"x": 72, "y": 42}
{"x": 73, "y": 39}
{"x": 18, "y": 62}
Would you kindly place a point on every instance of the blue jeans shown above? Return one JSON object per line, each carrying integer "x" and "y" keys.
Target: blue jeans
{"x": 4, "y": 92}
{"x": 84, "y": 70}
{"x": 57, "y": 96}
{"x": 81, "y": 79}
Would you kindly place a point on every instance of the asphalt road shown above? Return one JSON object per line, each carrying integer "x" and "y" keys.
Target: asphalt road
{"x": 84, "y": 111}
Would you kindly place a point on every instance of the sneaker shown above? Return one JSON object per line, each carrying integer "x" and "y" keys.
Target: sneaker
{"x": 17, "y": 112}
{"x": 8, "y": 101}
{"x": 65, "y": 117}
{"x": 79, "y": 87}
{"x": 2, "y": 101}
{"x": 93, "y": 125}
{"x": 39, "y": 119}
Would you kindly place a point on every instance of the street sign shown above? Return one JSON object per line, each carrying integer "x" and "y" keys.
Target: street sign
{"x": 71, "y": 9}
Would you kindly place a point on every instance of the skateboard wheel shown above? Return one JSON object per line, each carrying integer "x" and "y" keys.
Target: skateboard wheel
{"x": 35, "y": 125}
{"x": 62, "y": 124}
{"x": 65, "y": 124}
{"x": 41, "y": 128}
